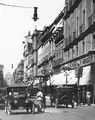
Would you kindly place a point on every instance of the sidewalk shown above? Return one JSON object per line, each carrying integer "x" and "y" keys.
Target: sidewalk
{"x": 92, "y": 105}
{"x": 53, "y": 110}
{"x": 59, "y": 110}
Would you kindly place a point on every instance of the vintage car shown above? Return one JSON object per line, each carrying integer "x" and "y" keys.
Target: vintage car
{"x": 63, "y": 95}
{"x": 17, "y": 97}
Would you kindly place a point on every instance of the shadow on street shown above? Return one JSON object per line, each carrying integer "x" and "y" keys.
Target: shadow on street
{"x": 62, "y": 106}
{"x": 2, "y": 106}
{"x": 21, "y": 113}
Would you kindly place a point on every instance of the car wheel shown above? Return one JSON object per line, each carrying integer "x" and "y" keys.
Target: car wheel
{"x": 72, "y": 105}
{"x": 5, "y": 109}
{"x": 27, "y": 110}
{"x": 43, "y": 110}
{"x": 66, "y": 105}
{"x": 9, "y": 109}
{"x": 56, "y": 103}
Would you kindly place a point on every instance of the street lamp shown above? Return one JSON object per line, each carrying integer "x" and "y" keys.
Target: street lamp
{"x": 50, "y": 74}
{"x": 79, "y": 71}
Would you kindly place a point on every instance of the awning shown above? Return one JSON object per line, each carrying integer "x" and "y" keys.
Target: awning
{"x": 58, "y": 79}
{"x": 72, "y": 78}
{"x": 73, "y": 81}
{"x": 86, "y": 78}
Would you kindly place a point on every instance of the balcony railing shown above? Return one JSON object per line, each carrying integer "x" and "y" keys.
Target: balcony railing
{"x": 57, "y": 62}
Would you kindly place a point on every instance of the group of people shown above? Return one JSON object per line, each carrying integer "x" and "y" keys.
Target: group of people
{"x": 85, "y": 97}
{"x": 41, "y": 97}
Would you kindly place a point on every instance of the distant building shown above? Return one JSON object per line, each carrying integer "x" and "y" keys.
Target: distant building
{"x": 30, "y": 55}
{"x": 8, "y": 79}
{"x": 18, "y": 74}
{"x": 1, "y": 75}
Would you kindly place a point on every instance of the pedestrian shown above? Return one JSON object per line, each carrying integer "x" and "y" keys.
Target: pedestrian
{"x": 84, "y": 96}
{"x": 88, "y": 97}
{"x": 44, "y": 101}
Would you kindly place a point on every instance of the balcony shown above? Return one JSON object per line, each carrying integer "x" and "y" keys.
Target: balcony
{"x": 51, "y": 56}
{"x": 59, "y": 35}
{"x": 57, "y": 62}
{"x": 45, "y": 59}
{"x": 20, "y": 76}
{"x": 70, "y": 7}
{"x": 20, "y": 69}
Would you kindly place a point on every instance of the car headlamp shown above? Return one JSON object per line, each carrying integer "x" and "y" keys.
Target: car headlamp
{"x": 26, "y": 101}
{"x": 15, "y": 101}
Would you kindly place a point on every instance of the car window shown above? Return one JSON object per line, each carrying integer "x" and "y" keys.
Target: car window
{"x": 17, "y": 91}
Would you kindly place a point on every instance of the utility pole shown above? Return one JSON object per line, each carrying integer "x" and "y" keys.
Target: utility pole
{"x": 79, "y": 71}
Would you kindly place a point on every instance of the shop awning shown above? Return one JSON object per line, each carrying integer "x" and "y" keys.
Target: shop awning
{"x": 72, "y": 78}
{"x": 58, "y": 79}
{"x": 72, "y": 81}
{"x": 86, "y": 77}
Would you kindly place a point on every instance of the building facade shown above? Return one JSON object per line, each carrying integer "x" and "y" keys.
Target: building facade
{"x": 30, "y": 56}
{"x": 50, "y": 49}
{"x": 79, "y": 45}
{"x": 68, "y": 42}
{"x": 18, "y": 74}
{"x": 1, "y": 75}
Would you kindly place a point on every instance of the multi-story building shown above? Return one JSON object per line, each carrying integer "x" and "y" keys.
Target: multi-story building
{"x": 20, "y": 68}
{"x": 70, "y": 45}
{"x": 79, "y": 36}
{"x": 30, "y": 55}
{"x": 18, "y": 74}
{"x": 1, "y": 75}
{"x": 49, "y": 48}
{"x": 27, "y": 56}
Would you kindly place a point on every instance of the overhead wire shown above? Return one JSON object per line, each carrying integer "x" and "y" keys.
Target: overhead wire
{"x": 9, "y": 5}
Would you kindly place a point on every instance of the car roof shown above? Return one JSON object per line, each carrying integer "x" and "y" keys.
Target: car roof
{"x": 17, "y": 85}
{"x": 65, "y": 87}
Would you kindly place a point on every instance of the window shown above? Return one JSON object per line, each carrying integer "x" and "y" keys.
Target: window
{"x": 88, "y": 7}
{"x": 68, "y": 55}
{"x": 93, "y": 43}
{"x": 72, "y": 52}
{"x": 77, "y": 50}
{"x": 83, "y": 47}
{"x": 83, "y": 20}
{"x": 77, "y": 25}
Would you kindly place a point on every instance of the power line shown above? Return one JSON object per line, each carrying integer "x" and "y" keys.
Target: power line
{"x": 16, "y": 6}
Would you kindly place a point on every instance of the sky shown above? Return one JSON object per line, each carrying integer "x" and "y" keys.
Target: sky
{"x": 16, "y": 22}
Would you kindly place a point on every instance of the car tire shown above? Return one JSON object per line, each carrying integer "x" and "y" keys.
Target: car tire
{"x": 9, "y": 111}
{"x": 66, "y": 105}
{"x": 27, "y": 110}
{"x": 5, "y": 109}
{"x": 56, "y": 105}
{"x": 72, "y": 105}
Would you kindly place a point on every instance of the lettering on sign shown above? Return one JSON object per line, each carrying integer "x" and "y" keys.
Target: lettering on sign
{"x": 82, "y": 61}
{"x": 85, "y": 60}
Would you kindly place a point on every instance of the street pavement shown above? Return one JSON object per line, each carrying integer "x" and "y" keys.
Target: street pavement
{"x": 51, "y": 113}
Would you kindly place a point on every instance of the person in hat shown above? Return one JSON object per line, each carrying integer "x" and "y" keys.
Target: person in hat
{"x": 88, "y": 96}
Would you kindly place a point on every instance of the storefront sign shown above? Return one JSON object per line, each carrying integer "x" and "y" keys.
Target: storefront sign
{"x": 86, "y": 60}
{"x": 82, "y": 61}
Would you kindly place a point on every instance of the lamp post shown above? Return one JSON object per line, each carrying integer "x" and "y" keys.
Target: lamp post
{"x": 50, "y": 74}
{"x": 66, "y": 74}
{"x": 79, "y": 74}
